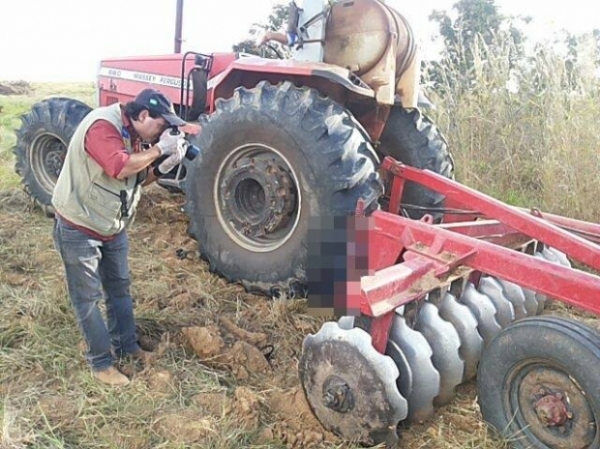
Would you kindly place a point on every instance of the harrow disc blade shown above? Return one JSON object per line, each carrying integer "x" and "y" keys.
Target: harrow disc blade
{"x": 551, "y": 255}
{"x": 505, "y": 312}
{"x": 405, "y": 378}
{"x": 555, "y": 255}
{"x": 515, "y": 294}
{"x": 540, "y": 297}
{"x": 531, "y": 303}
{"x": 445, "y": 343}
{"x": 346, "y": 322}
{"x": 425, "y": 378}
{"x": 484, "y": 311}
{"x": 465, "y": 323}
{"x": 350, "y": 387}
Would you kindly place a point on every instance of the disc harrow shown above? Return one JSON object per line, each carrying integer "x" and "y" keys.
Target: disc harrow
{"x": 436, "y": 298}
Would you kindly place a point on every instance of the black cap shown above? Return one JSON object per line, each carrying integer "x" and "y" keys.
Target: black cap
{"x": 158, "y": 103}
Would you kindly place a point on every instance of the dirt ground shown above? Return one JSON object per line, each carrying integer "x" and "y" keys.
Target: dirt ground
{"x": 15, "y": 88}
{"x": 224, "y": 373}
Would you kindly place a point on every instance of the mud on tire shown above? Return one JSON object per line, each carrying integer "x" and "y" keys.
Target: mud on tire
{"x": 42, "y": 142}
{"x": 410, "y": 137}
{"x": 274, "y": 158}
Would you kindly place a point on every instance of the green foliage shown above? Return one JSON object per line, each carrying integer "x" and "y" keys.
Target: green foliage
{"x": 477, "y": 22}
{"x": 526, "y": 133}
{"x": 276, "y": 21}
{"x": 13, "y": 106}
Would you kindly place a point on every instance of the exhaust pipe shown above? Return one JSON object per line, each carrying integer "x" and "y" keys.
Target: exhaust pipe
{"x": 178, "y": 26}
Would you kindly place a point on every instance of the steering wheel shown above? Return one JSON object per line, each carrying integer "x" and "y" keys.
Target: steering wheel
{"x": 275, "y": 50}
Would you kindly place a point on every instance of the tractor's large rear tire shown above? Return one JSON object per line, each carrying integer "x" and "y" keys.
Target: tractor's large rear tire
{"x": 410, "y": 137}
{"x": 41, "y": 147}
{"x": 274, "y": 159}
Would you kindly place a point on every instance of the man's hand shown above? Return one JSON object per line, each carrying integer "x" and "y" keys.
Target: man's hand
{"x": 174, "y": 159}
{"x": 167, "y": 144}
{"x": 282, "y": 38}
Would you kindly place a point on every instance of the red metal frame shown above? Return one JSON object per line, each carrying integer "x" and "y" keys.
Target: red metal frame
{"x": 409, "y": 258}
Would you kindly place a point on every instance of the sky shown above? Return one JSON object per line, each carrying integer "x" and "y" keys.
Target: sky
{"x": 65, "y": 40}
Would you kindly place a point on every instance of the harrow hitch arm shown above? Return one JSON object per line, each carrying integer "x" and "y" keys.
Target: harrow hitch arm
{"x": 407, "y": 258}
{"x": 434, "y": 256}
{"x": 537, "y": 225}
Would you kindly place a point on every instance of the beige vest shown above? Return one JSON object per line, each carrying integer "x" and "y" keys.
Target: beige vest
{"x": 84, "y": 194}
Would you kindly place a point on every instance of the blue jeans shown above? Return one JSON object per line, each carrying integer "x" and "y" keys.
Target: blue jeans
{"x": 97, "y": 270}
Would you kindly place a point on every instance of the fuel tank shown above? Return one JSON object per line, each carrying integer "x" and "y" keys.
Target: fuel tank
{"x": 376, "y": 43}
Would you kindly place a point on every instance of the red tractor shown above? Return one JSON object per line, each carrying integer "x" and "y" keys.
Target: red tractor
{"x": 285, "y": 140}
{"x": 448, "y": 279}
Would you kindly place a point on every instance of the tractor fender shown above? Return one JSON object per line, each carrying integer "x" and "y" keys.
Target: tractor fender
{"x": 338, "y": 83}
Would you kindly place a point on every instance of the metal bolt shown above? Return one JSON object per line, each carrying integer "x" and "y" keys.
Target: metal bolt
{"x": 551, "y": 410}
{"x": 329, "y": 399}
{"x": 337, "y": 395}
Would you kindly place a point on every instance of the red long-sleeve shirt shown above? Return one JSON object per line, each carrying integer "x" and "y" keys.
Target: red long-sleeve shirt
{"x": 104, "y": 144}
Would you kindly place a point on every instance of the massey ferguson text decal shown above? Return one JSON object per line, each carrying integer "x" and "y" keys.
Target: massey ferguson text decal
{"x": 144, "y": 77}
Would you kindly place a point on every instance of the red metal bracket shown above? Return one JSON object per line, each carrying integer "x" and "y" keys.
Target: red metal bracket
{"x": 410, "y": 258}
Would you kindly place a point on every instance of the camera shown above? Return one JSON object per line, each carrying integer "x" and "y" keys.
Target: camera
{"x": 191, "y": 150}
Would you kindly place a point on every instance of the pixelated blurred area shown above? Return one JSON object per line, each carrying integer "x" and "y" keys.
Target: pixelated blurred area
{"x": 337, "y": 259}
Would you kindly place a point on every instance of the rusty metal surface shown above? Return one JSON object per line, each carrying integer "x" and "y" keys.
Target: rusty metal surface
{"x": 358, "y": 35}
{"x": 376, "y": 43}
{"x": 555, "y": 409}
{"x": 350, "y": 386}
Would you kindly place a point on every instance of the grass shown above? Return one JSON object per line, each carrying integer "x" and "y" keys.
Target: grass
{"x": 534, "y": 144}
{"x": 11, "y": 107}
{"x": 203, "y": 390}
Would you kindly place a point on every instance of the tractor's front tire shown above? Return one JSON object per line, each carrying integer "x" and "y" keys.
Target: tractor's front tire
{"x": 411, "y": 138}
{"x": 41, "y": 147}
{"x": 274, "y": 159}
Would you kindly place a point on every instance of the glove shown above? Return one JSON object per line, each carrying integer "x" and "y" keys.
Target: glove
{"x": 167, "y": 144}
{"x": 173, "y": 160}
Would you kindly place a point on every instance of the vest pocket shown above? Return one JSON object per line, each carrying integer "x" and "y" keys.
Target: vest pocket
{"x": 104, "y": 207}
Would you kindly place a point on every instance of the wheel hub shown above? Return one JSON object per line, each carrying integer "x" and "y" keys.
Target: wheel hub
{"x": 350, "y": 387}
{"x": 552, "y": 411}
{"x": 337, "y": 395}
{"x": 54, "y": 159}
{"x": 555, "y": 409}
{"x": 257, "y": 197}
{"x": 47, "y": 157}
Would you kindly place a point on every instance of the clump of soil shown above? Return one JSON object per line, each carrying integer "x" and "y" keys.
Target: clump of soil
{"x": 242, "y": 359}
{"x": 254, "y": 338}
{"x": 246, "y": 407}
{"x": 161, "y": 381}
{"x": 57, "y": 410}
{"x": 15, "y": 88}
{"x": 237, "y": 350}
{"x": 185, "y": 428}
{"x": 295, "y": 425}
{"x": 212, "y": 402}
{"x": 245, "y": 360}
{"x": 205, "y": 341}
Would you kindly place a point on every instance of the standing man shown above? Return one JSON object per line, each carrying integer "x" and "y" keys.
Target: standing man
{"x": 95, "y": 200}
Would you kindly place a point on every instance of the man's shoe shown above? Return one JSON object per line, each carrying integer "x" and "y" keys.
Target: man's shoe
{"x": 143, "y": 356}
{"x": 111, "y": 376}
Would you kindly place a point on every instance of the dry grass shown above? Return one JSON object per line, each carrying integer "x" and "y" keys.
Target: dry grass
{"x": 537, "y": 146}
{"x": 225, "y": 398}
{"x": 50, "y": 401}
